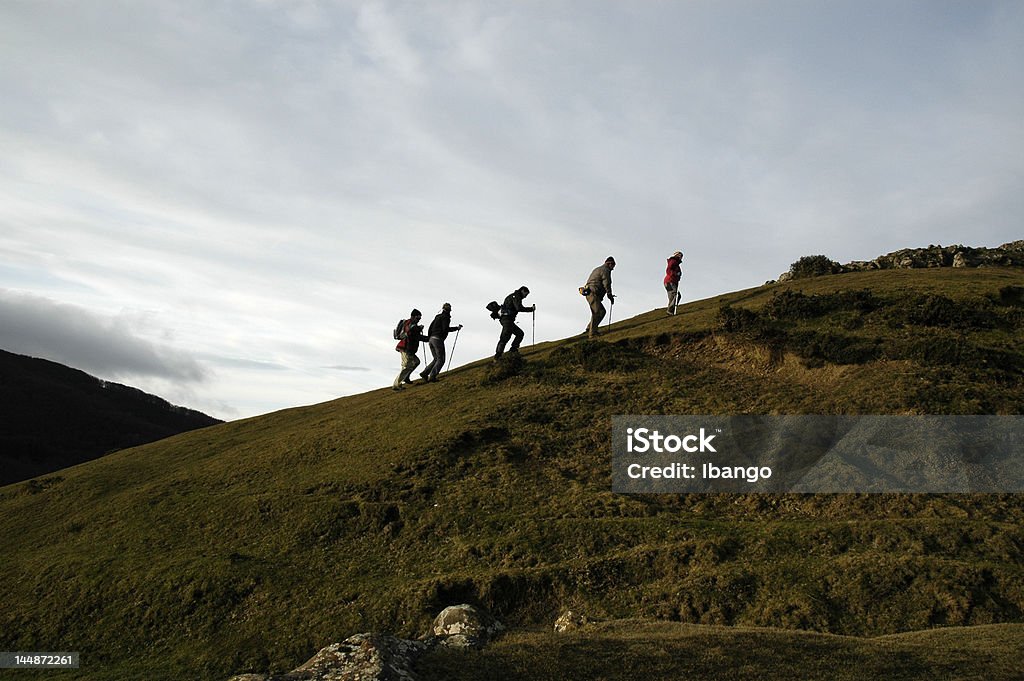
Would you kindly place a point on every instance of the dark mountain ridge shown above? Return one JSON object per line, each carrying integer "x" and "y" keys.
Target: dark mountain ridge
{"x": 53, "y": 416}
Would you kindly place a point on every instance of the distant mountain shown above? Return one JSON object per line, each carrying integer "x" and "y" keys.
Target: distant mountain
{"x": 53, "y": 416}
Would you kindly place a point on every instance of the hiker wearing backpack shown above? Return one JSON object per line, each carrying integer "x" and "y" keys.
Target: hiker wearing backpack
{"x": 437, "y": 333}
{"x": 512, "y": 306}
{"x": 672, "y": 276}
{"x": 598, "y": 285}
{"x": 409, "y": 334}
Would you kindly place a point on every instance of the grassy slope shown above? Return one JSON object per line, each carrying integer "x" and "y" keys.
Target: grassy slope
{"x": 249, "y": 545}
{"x": 627, "y": 650}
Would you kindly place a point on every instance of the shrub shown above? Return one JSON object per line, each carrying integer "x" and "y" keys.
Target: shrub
{"x": 593, "y": 355}
{"x": 1011, "y": 295}
{"x": 508, "y": 365}
{"x": 737, "y": 319}
{"x": 939, "y": 311}
{"x": 813, "y": 266}
{"x": 796, "y": 305}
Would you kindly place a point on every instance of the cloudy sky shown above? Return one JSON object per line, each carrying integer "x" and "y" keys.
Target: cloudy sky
{"x": 231, "y": 203}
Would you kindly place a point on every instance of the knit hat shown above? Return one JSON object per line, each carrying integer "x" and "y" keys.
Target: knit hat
{"x": 415, "y": 313}
{"x": 609, "y": 260}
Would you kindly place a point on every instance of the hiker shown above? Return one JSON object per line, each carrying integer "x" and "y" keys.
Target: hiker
{"x": 512, "y": 306}
{"x": 599, "y": 284}
{"x": 672, "y": 276}
{"x": 410, "y": 335}
{"x": 437, "y": 333}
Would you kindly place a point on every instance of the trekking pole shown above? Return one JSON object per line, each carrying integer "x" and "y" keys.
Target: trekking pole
{"x": 534, "y": 338}
{"x": 611, "y": 308}
{"x": 454, "y": 343}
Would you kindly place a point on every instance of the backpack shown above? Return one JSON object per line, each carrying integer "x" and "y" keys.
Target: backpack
{"x": 401, "y": 333}
{"x": 494, "y": 308}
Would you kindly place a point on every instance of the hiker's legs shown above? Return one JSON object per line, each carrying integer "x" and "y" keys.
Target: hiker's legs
{"x": 508, "y": 330}
{"x": 433, "y": 360}
{"x": 437, "y": 361}
{"x": 518, "y": 333}
{"x": 409, "y": 363}
{"x": 673, "y": 293}
{"x": 597, "y": 313}
{"x": 506, "y": 333}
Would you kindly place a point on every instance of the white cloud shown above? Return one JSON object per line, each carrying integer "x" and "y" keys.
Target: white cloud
{"x": 109, "y": 347}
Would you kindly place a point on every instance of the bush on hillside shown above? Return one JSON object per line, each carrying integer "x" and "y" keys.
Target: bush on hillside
{"x": 1011, "y": 295}
{"x": 594, "y": 355}
{"x": 813, "y": 266}
{"x": 797, "y": 305}
{"x": 508, "y": 365}
{"x": 737, "y": 319}
{"x": 939, "y": 311}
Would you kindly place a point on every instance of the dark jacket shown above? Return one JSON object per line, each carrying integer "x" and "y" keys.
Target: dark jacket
{"x": 512, "y": 306}
{"x": 441, "y": 326}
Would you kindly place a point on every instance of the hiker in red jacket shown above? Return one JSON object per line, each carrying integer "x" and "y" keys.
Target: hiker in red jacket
{"x": 672, "y": 276}
{"x": 409, "y": 345}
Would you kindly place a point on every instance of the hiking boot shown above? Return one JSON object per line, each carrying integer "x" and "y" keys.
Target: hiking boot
{"x": 396, "y": 388}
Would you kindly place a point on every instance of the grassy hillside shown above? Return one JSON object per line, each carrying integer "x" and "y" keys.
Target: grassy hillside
{"x": 617, "y": 651}
{"x": 53, "y": 416}
{"x": 249, "y": 545}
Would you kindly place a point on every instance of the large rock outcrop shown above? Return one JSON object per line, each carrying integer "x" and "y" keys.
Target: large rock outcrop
{"x": 465, "y": 626}
{"x": 380, "y": 657}
{"x": 1008, "y": 255}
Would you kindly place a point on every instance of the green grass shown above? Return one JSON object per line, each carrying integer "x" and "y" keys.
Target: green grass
{"x": 250, "y": 545}
{"x": 629, "y": 650}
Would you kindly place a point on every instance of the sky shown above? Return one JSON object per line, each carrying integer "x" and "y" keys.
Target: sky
{"x": 231, "y": 204}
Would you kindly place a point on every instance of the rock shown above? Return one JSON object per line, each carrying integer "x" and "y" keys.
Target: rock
{"x": 570, "y": 620}
{"x": 860, "y": 266}
{"x": 363, "y": 657}
{"x": 1008, "y": 255}
{"x": 461, "y": 641}
{"x": 785, "y": 276}
{"x": 473, "y": 626}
